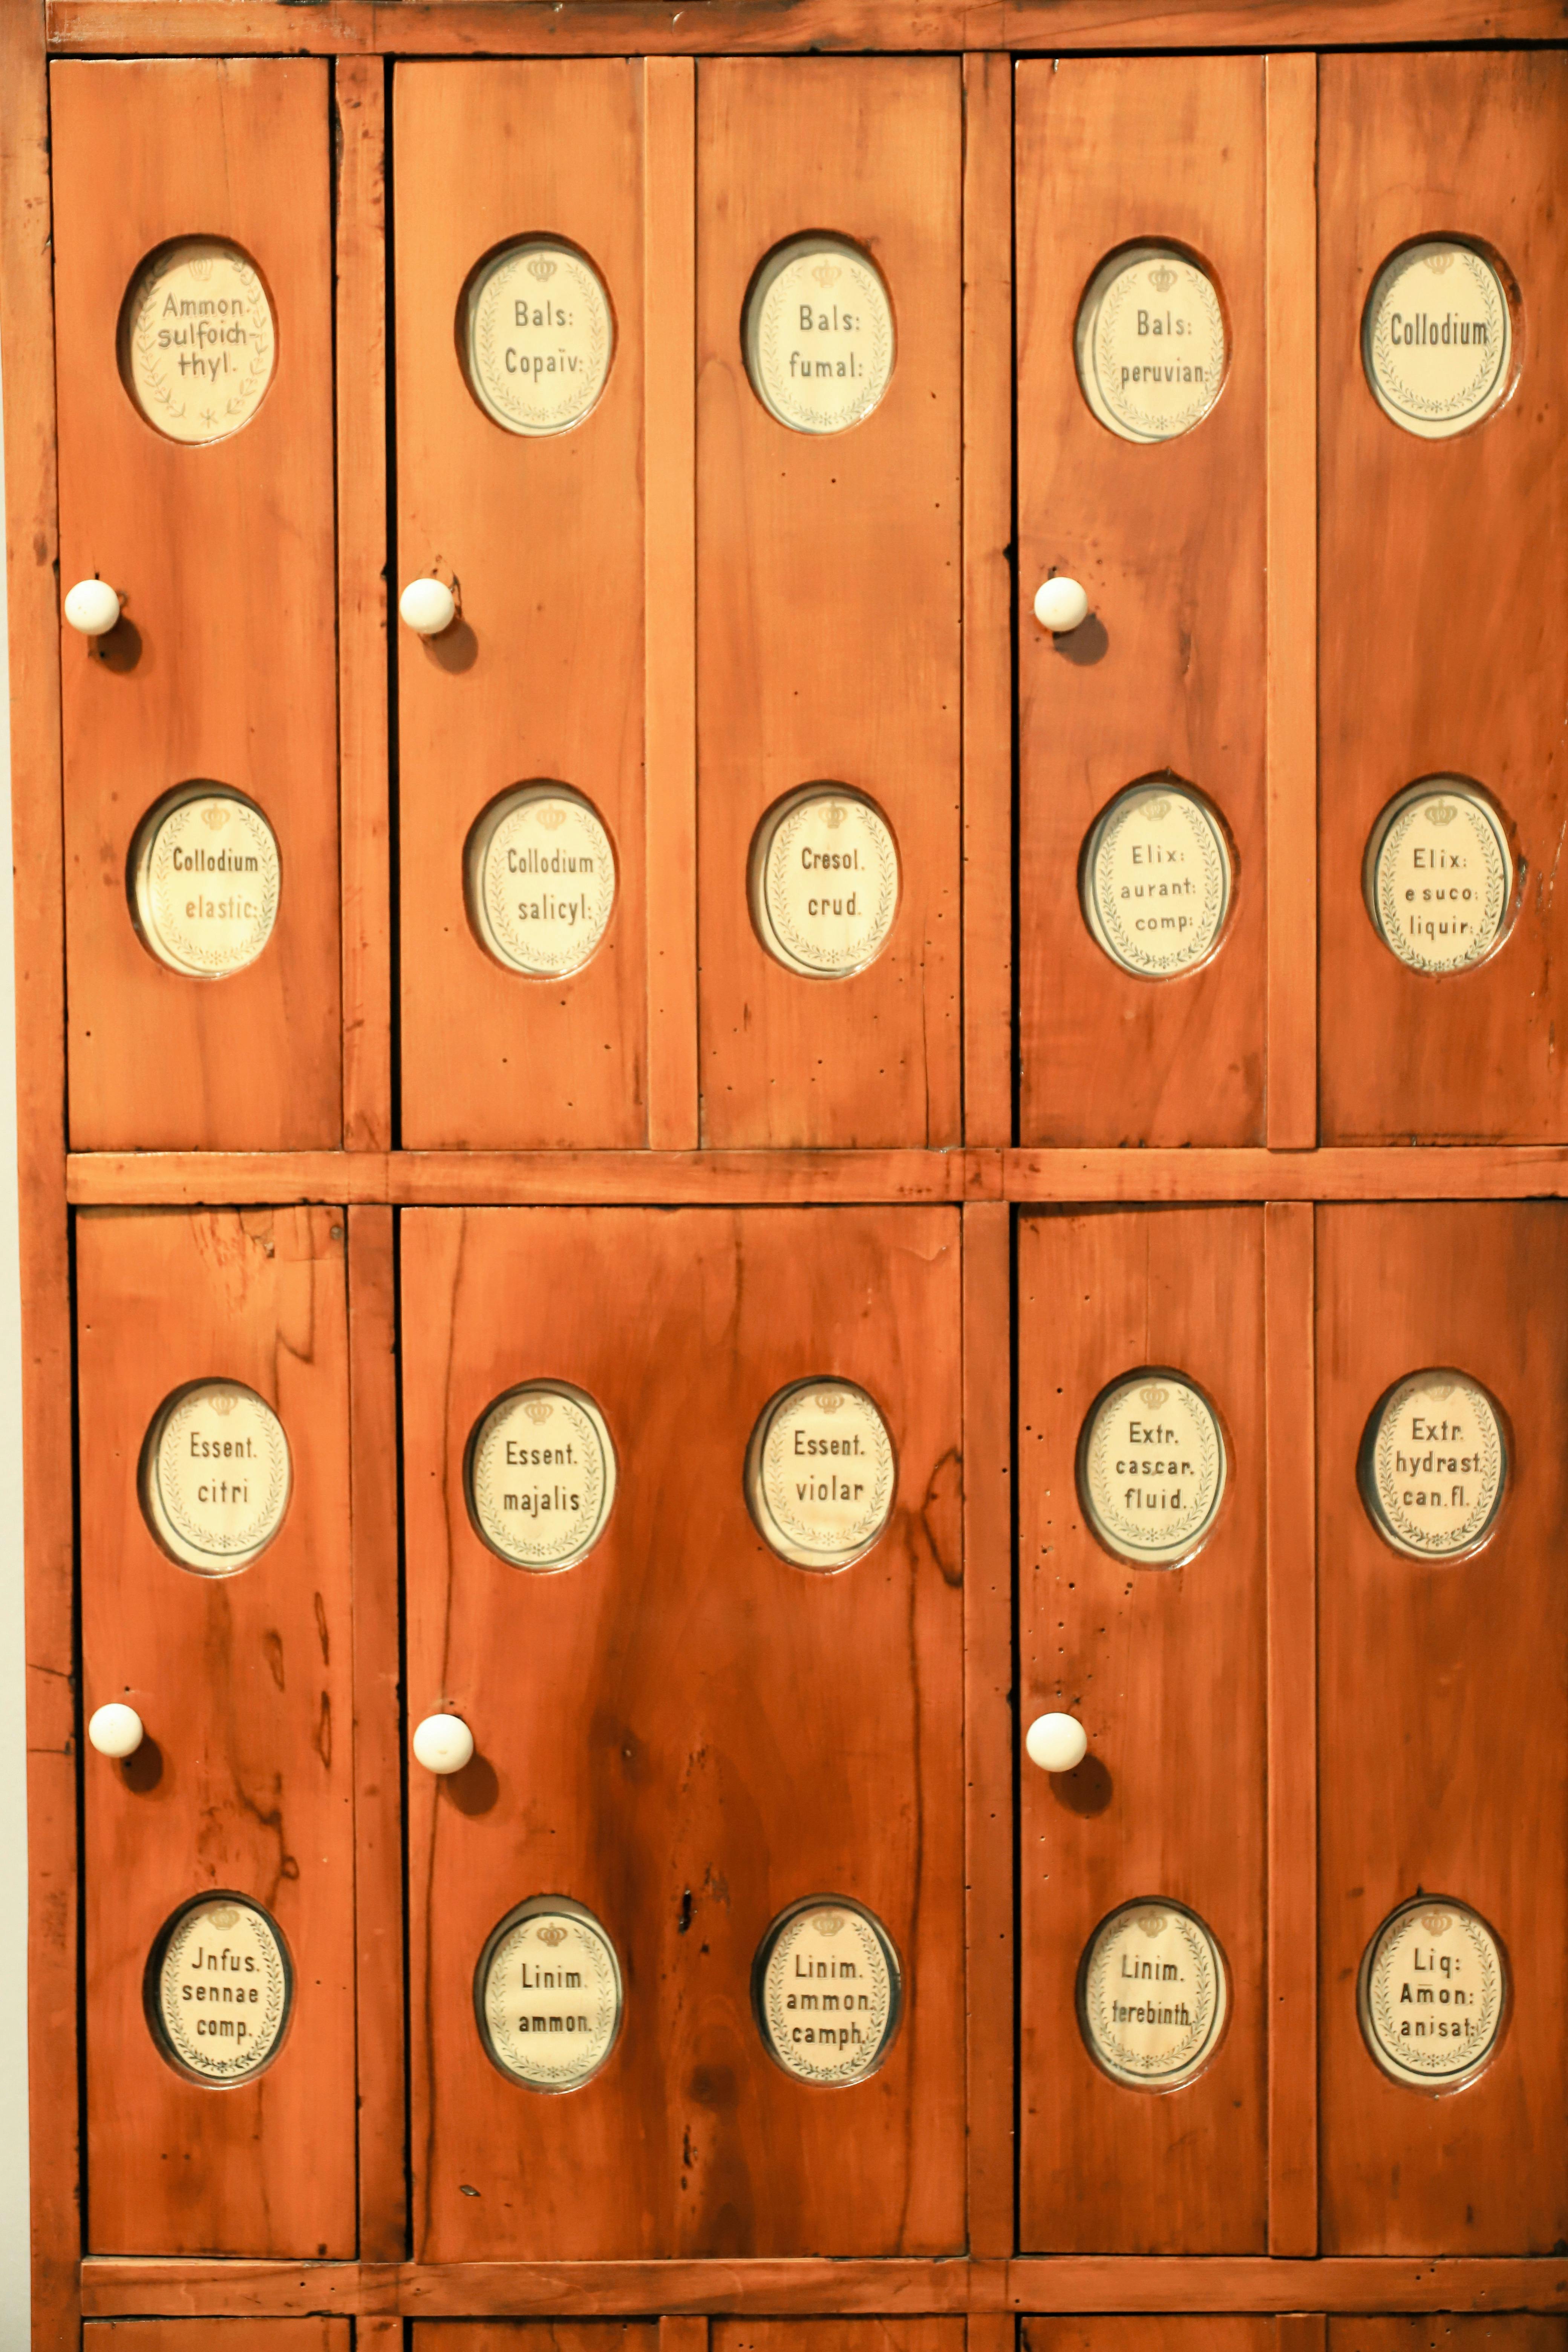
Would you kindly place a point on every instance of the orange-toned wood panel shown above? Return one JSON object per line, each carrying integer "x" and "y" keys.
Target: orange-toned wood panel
{"x": 224, "y": 663}
{"x": 243, "y": 1781}
{"x": 685, "y": 1733}
{"x": 929, "y": 2333}
{"x": 536, "y": 2336}
{"x": 542, "y": 675}
{"x": 1450, "y": 2331}
{"x": 317, "y": 2335}
{"x": 1167, "y": 674}
{"x": 1442, "y": 1748}
{"x": 1418, "y": 676}
{"x": 829, "y": 575}
{"x": 1178, "y": 2332}
{"x": 1165, "y": 1669}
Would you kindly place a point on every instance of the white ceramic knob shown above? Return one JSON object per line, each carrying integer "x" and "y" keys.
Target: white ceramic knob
{"x": 443, "y": 1743}
{"x": 1061, "y": 605}
{"x": 93, "y": 607}
{"x": 116, "y": 1730}
{"x": 1057, "y": 1743}
{"x": 427, "y": 606}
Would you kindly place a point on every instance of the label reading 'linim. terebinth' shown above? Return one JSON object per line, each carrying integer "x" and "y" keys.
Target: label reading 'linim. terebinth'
{"x": 1152, "y": 1995}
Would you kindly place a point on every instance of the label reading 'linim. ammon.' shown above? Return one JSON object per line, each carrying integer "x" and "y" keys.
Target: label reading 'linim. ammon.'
{"x": 215, "y": 1477}
{"x": 1434, "y": 1464}
{"x": 1432, "y": 1994}
{"x": 827, "y": 1992}
{"x": 220, "y": 1988}
{"x": 548, "y": 1995}
{"x": 197, "y": 340}
{"x": 542, "y": 1475}
{"x": 1437, "y": 337}
{"x": 1151, "y": 344}
{"x": 1151, "y": 1467}
{"x": 819, "y": 334}
{"x": 538, "y": 336}
{"x": 820, "y": 1474}
{"x": 1152, "y": 1995}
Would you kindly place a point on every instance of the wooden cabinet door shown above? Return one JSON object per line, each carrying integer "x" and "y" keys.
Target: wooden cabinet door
{"x": 243, "y": 1781}
{"x": 216, "y": 2336}
{"x": 685, "y": 1733}
{"x": 223, "y": 669}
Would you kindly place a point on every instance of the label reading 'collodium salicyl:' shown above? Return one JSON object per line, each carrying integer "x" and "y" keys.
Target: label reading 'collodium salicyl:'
{"x": 548, "y": 1995}
{"x": 1434, "y": 1464}
{"x": 1156, "y": 879}
{"x": 540, "y": 877}
{"x": 1439, "y": 876}
{"x": 820, "y": 1474}
{"x": 827, "y": 1992}
{"x": 197, "y": 341}
{"x": 542, "y": 1475}
{"x": 1152, "y": 1995}
{"x": 1151, "y": 1467}
{"x": 819, "y": 335}
{"x": 538, "y": 336}
{"x": 1150, "y": 343}
{"x": 1438, "y": 338}
{"x": 1432, "y": 1994}
{"x": 214, "y": 1476}
{"x": 221, "y": 1990}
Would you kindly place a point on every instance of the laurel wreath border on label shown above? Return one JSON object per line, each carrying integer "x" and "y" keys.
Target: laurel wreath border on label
{"x": 1381, "y": 2008}
{"x": 509, "y": 935}
{"x": 263, "y": 1525}
{"x": 1100, "y": 2028}
{"x": 1484, "y": 832}
{"x": 486, "y": 1466}
{"x": 1114, "y": 1523}
{"x": 783, "y": 395}
{"x": 181, "y": 947}
{"x": 873, "y": 936}
{"x": 192, "y": 2053}
{"x": 1410, "y": 1533}
{"x": 1478, "y": 393}
{"x": 873, "y": 1519}
{"x": 571, "y": 2072}
{"x": 1111, "y": 304}
{"x": 844, "y": 2070}
{"x": 149, "y": 373}
{"x": 1133, "y": 952}
{"x": 504, "y": 397}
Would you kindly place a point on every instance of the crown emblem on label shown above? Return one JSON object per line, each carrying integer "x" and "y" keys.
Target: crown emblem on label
{"x": 551, "y": 815}
{"x": 553, "y": 1934}
{"x": 1163, "y": 278}
{"x": 215, "y": 814}
{"x": 1441, "y": 1389}
{"x": 542, "y": 268}
{"x": 1436, "y": 1923}
{"x": 835, "y": 814}
{"x": 538, "y": 1407}
{"x": 828, "y": 1400}
{"x": 1154, "y": 1396}
{"x": 1439, "y": 262}
{"x": 203, "y": 268}
{"x": 223, "y": 1401}
{"x": 1156, "y": 810}
{"x": 829, "y": 1923}
{"x": 224, "y": 1916}
{"x": 827, "y": 273}
{"x": 1441, "y": 812}
{"x": 1154, "y": 1922}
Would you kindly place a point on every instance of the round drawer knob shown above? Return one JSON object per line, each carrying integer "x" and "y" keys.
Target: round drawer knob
{"x": 116, "y": 1730}
{"x": 92, "y": 607}
{"x": 443, "y": 1743}
{"x": 427, "y": 606}
{"x": 1057, "y": 1743}
{"x": 1061, "y": 605}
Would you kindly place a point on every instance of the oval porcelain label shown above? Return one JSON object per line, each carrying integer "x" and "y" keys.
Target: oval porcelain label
{"x": 197, "y": 340}
{"x": 541, "y": 878}
{"x": 538, "y": 336}
{"x": 1152, "y": 1995}
{"x": 827, "y": 1992}
{"x": 1439, "y": 876}
{"x": 206, "y": 877}
{"x": 542, "y": 1475}
{"x": 220, "y": 1988}
{"x": 1151, "y": 1467}
{"x": 1437, "y": 337}
{"x": 1432, "y": 1994}
{"x": 214, "y": 1476}
{"x": 823, "y": 882}
{"x": 1150, "y": 343}
{"x": 1156, "y": 879}
{"x": 819, "y": 334}
{"x": 1434, "y": 1464}
{"x": 820, "y": 1474}
{"x": 548, "y": 1995}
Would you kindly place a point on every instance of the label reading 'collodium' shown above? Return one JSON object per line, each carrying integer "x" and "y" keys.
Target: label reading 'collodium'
{"x": 1437, "y": 337}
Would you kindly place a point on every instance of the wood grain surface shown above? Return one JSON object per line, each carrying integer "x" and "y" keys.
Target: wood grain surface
{"x": 245, "y": 1779}
{"x": 1442, "y": 1745}
{"x": 1178, "y": 2332}
{"x": 1416, "y": 680}
{"x": 224, "y": 665}
{"x": 1167, "y": 675}
{"x": 1165, "y": 1670}
{"x": 1449, "y": 2331}
{"x": 543, "y": 674}
{"x": 542, "y": 2335}
{"x": 320, "y": 2334}
{"x": 684, "y": 1732}
{"x": 829, "y": 599}
{"x": 926, "y": 2334}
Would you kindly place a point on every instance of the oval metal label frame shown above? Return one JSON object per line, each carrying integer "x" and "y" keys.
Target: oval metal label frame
{"x": 1398, "y": 818}
{"x": 549, "y": 1907}
{"x": 134, "y": 343}
{"x": 1438, "y": 1380}
{"x": 761, "y": 324}
{"x": 1410, "y": 2078}
{"x": 1497, "y": 288}
{"x": 592, "y": 288}
{"x": 775, "y": 935}
{"x": 140, "y": 881}
{"x": 162, "y": 1525}
{"x": 1179, "y": 1550}
{"x": 1204, "y": 1946}
{"x": 609, "y": 1471}
{"x": 773, "y": 1934}
{"x": 1219, "y": 876}
{"x": 482, "y": 833}
{"x": 1094, "y": 322}
{"x": 280, "y": 1992}
{"x": 821, "y": 1561}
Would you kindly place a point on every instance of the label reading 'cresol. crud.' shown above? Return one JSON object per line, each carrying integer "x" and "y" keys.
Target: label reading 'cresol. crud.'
{"x": 824, "y": 881}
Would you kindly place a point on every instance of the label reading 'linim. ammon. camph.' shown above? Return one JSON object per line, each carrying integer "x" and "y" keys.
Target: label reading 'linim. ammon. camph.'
{"x": 828, "y": 1991}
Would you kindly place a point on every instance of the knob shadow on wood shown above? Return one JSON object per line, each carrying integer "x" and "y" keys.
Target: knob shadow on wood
{"x": 1087, "y": 1789}
{"x": 143, "y": 1769}
{"x": 1083, "y": 646}
{"x": 120, "y": 648}
{"x": 475, "y": 1789}
{"x": 456, "y": 648}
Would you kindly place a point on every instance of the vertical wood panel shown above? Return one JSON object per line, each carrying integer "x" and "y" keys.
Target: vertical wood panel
{"x": 685, "y": 1733}
{"x": 1287, "y": 1259}
{"x": 1442, "y": 1740}
{"x": 378, "y": 1745}
{"x": 225, "y": 666}
{"x": 364, "y": 683}
{"x": 987, "y": 599}
{"x": 543, "y": 674}
{"x": 829, "y": 598}
{"x": 1416, "y": 678}
{"x": 988, "y": 1721}
{"x": 244, "y": 1683}
{"x": 669, "y": 267}
{"x": 1290, "y": 86}
{"x": 1165, "y": 1670}
{"x": 1168, "y": 539}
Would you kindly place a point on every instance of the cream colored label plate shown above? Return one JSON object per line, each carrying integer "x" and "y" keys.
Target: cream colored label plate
{"x": 1434, "y": 1465}
{"x": 541, "y": 880}
{"x": 1151, "y": 1468}
{"x": 1433, "y": 1990}
{"x": 548, "y": 1994}
{"x": 538, "y": 336}
{"x": 819, "y": 334}
{"x": 542, "y": 1475}
{"x": 1156, "y": 881}
{"x": 828, "y": 1992}
{"x": 1438, "y": 338}
{"x": 197, "y": 340}
{"x": 1150, "y": 343}
{"x": 820, "y": 1474}
{"x": 206, "y": 880}
{"x": 215, "y": 1477}
{"x": 223, "y": 1989}
{"x": 1152, "y": 1995}
{"x": 1439, "y": 876}
{"x": 823, "y": 882}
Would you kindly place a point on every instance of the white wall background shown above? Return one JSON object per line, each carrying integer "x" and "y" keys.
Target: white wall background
{"x": 14, "y": 2280}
